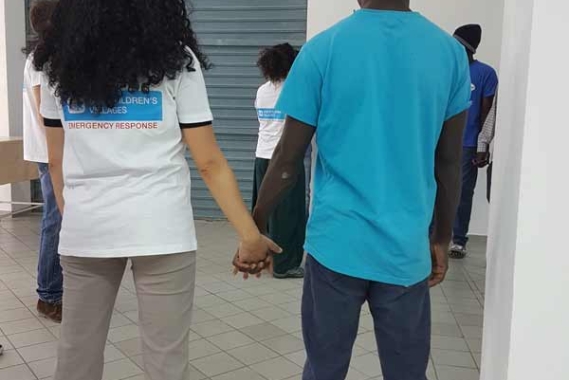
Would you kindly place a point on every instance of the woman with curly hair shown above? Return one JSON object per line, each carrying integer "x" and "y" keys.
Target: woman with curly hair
{"x": 287, "y": 224}
{"x": 122, "y": 95}
{"x": 50, "y": 276}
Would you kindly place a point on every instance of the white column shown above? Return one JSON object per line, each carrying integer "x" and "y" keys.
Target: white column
{"x": 12, "y": 40}
{"x": 527, "y": 303}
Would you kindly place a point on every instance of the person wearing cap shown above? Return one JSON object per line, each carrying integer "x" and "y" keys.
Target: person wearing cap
{"x": 484, "y": 85}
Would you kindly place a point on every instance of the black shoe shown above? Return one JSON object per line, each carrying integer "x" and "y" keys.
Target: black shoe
{"x": 293, "y": 273}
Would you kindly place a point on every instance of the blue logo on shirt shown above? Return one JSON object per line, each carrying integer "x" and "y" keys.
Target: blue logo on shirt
{"x": 270, "y": 114}
{"x": 132, "y": 106}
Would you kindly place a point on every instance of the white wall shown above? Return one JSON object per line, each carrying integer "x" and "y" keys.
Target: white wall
{"x": 452, "y": 14}
{"x": 12, "y": 39}
{"x": 502, "y": 241}
{"x": 322, "y": 14}
{"x": 527, "y": 308}
{"x": 489, "y": 14}
{"x": 449, "y": 14}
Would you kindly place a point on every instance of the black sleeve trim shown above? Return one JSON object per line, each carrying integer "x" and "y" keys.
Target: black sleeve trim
{"x": 52, "y": 123}
{"x": 195, "y": 125}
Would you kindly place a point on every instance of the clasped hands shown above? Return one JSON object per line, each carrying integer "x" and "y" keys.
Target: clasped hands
{"x": 253, "y": 257}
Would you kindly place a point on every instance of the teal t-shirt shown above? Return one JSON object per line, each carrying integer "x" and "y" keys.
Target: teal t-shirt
{"x": 378, "y": 87}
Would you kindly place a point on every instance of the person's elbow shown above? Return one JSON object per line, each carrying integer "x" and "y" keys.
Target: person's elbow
{"x": 211, "y": 167}
{"x": 288, "y": 159}
{"x": 447, "y": 168}
{"x": 55, "y": 164}
{"x": 448, "y": 159}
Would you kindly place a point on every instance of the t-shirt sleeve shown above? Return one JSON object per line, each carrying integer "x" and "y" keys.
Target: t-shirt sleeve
{"x": 31, "y": 75}
{"x": 34, "y": 76}
{"x": 48, "y": 104}
{"x": 461, "y": 93}
{"x": 491, "y": 84}
{"x": 191, "y": 100}
{"x": 301, "y": 97}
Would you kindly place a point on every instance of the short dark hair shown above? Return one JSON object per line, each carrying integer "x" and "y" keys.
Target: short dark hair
{"x": 275, "y": 62}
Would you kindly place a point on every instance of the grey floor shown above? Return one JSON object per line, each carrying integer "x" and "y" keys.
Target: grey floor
{"x": 241, "y": 330}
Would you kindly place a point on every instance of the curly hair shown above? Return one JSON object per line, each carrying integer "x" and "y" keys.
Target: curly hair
{"x": 95, "y": 49}
{"x": 275, "y": 62}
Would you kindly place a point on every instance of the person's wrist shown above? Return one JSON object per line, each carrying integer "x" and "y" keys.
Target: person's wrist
{"x": 252, "y": 236}
{"x": 440, "y": 240}
{"x": 259, "y": 221}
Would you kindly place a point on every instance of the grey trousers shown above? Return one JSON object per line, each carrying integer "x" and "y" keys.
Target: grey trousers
{"x": 165, "y": 290}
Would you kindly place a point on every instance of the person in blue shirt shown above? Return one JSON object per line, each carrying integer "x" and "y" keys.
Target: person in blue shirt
{"x": 484, "y": 85}
{"x": 386, "y": 92}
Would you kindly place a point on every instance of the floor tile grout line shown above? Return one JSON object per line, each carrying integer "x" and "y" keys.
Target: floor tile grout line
{"x": 465, "y": 274}
{"x": 476, "y": 291}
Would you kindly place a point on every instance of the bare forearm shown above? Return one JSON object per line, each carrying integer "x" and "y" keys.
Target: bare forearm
{"x": 222, "y": 184}
{"x": 447, "y": 200}
{"x": 448, "y": 177}
{"x": 284, "y": 169}
{"x": 56, "y": 174}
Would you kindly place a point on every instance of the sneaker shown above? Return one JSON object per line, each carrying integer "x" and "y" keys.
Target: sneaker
{"x": 457, "y": 251}
{"x": 50, "y": 311}
{"x": 293, "y": 273}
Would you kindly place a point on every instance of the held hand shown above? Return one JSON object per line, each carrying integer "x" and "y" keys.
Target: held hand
{"x": 439, "y": 257}
{"x": 253, "y": 257}
{"x": 251, "y": 269}
{"x": 482, "y": 159}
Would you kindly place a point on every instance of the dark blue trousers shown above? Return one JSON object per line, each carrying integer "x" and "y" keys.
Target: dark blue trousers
{"x": 469, "y": 178}
{"x": 331, "y": 307}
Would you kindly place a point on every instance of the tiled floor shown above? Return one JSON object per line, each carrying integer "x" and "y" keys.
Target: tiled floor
{"x": 241, "y": 330}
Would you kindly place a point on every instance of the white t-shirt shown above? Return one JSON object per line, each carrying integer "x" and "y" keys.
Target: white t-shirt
{"x": 271, "y": 121}
{"x": 35, "y": 145}
{"x": 127, "y": 183}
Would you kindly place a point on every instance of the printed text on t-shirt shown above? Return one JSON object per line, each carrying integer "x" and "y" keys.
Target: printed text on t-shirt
{"x": 134, "y": 110}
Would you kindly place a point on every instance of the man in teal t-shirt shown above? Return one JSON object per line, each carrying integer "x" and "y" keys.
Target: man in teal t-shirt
{"x": 385, "y": 92}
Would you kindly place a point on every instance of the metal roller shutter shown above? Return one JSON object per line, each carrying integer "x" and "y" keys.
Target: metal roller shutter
{"x": 231, "y": 32}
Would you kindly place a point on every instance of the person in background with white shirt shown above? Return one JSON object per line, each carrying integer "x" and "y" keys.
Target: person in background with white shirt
{"x": 123, "y": 94}
{"x": 50, "y": 277}
{"x": 485, "y": 140}
{"x": 287, "y": 223}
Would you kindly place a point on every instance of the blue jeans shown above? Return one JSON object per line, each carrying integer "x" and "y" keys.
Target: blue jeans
{"x": 331, "y": 307}
{"x": 50, "y": 276}
{"x": 469, "y": 178}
